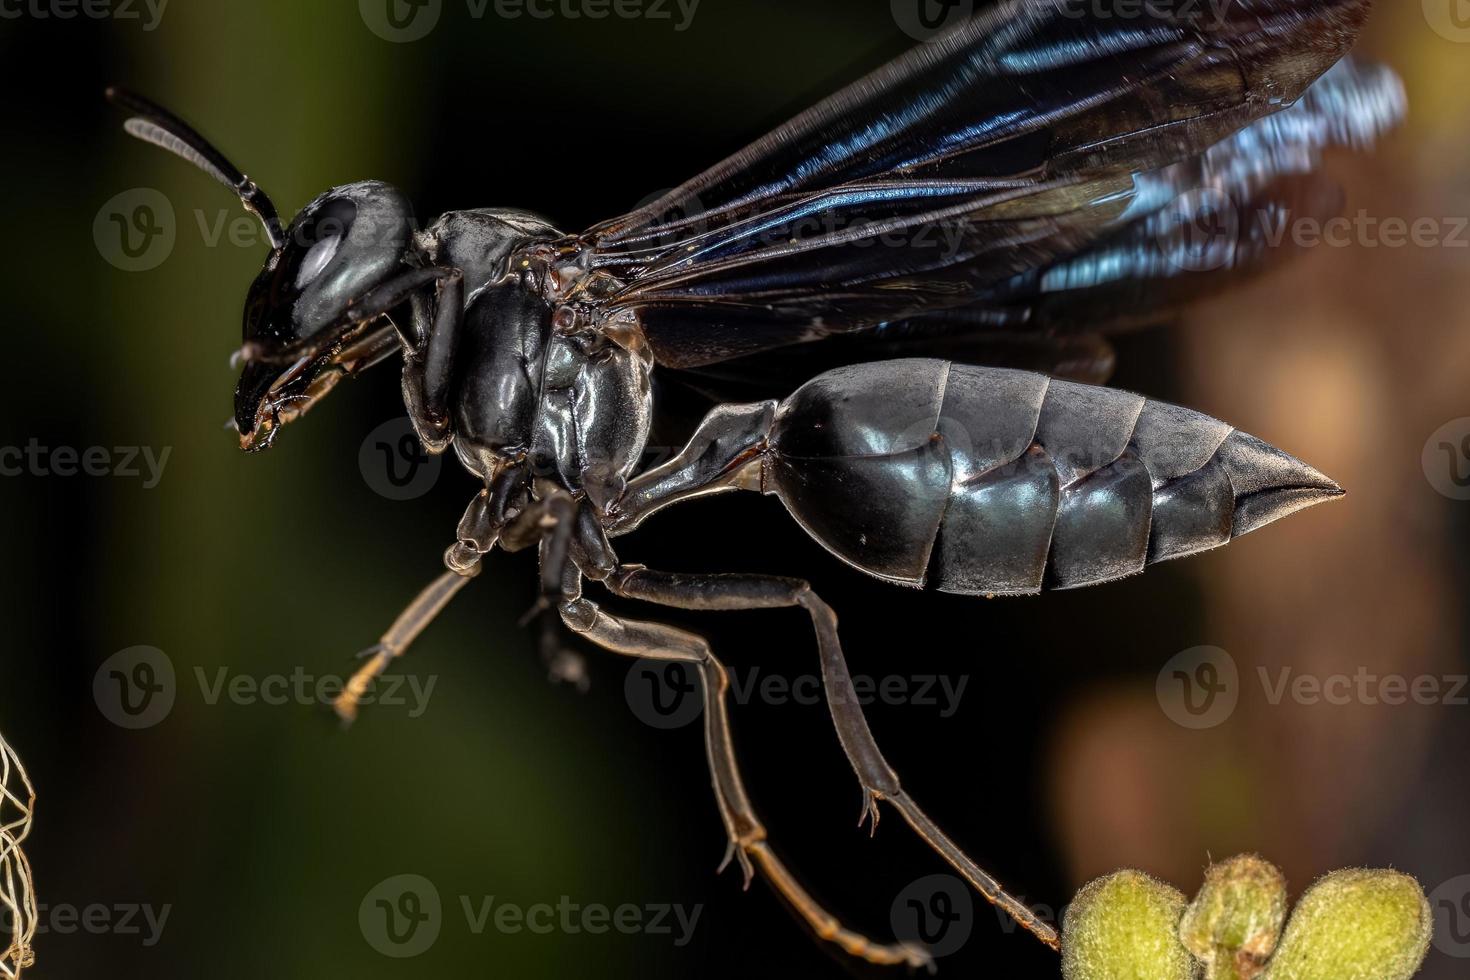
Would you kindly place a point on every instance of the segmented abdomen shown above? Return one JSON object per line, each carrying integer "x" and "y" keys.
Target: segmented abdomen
{"x": 989, "y": 481}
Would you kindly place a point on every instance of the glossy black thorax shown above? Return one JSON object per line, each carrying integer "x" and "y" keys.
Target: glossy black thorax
{"x": 499, "y": 366}
{"x": 537, "y": 384}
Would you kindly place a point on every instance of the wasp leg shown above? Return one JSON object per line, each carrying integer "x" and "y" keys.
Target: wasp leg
{"x": 747, "y": 834}
{"x": 478, "y": 531}
{"x": 405, "y": 629}
{"x": 563, "y": 664}
{"x": 428, "y": 369}
{"x": 560, "y": 583}
{"x": 880, "y": 782}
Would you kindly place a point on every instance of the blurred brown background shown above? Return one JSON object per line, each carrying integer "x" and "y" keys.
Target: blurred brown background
{"x": 1355, "y": 355}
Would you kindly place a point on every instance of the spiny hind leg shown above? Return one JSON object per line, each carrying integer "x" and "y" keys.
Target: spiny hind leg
{"x": 880, "y": 782}
{"x": 747, "y": 834}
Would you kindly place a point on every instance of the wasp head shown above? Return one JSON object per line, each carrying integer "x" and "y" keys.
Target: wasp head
{"x": 306, "y": 322}
{"x": 319, "y": 310}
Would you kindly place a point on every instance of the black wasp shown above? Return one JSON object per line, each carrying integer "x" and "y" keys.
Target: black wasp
{"x": 1033, "y": 176}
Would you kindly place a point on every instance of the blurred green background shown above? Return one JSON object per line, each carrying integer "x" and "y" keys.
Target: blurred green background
{"x": 263, "y": 828}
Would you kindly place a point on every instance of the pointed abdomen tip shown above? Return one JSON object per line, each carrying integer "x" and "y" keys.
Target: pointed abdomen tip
{"x": 1269, "y": 484}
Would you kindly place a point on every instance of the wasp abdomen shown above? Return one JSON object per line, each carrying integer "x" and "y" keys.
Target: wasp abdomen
{"x": 989, "y": 481}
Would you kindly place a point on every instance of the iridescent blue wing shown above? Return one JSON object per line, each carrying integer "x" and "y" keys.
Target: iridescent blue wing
{"x": 1023, "y": 140}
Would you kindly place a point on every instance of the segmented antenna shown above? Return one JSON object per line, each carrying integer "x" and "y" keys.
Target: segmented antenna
{"x": 17, "y": 891}
{"x": 154, "y": 124}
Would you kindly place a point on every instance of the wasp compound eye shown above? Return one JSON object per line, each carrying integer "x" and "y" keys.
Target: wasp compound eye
{"x": 342, "y": 245}
{"x": 313, "y": 256}
{"x": 319, "y": 256}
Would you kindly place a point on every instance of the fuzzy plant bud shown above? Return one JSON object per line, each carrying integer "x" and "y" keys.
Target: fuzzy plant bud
{"x": 1235, "y": 921}
{"x": 1356, "y": 925}
{"x": 1125, "y": 927}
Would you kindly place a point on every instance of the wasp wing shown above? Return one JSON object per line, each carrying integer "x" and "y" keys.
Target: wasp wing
{"x": 1051, "y": 321}
{"x": 1020, "y": 139}
{"x": 1209, "y": 222}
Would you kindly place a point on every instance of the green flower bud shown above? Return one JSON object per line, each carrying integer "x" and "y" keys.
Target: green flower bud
{"x": 1356, "y": 925}
{"x": 1125, "y": 927}
{"x": 1235, "y": 921}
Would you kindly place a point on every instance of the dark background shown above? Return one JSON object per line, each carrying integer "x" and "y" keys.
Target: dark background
{"x": 262, "y": 827}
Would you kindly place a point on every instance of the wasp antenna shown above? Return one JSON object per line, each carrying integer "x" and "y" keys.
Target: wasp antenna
{"x": 154, "y": 124}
